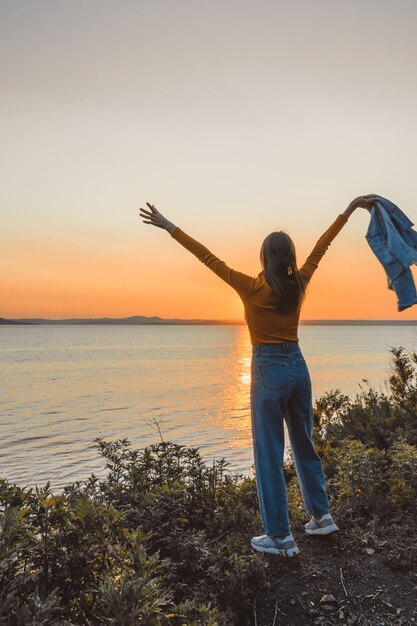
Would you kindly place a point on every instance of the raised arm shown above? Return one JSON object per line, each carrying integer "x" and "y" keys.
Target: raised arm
{"x": 240, "y": 282}
{"x": 322, "y": 245}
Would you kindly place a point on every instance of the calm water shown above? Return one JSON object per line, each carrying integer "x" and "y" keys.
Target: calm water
{"x": 62, "y": 386}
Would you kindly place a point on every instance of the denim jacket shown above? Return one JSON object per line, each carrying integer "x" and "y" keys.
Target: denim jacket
{"x": 394, "y": 242}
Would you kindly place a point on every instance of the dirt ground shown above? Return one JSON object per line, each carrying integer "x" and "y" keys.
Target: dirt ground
{"x": 361, "y": 588}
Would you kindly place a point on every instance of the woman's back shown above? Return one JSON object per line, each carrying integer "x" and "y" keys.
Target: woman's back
{"x": 265, "y": 323}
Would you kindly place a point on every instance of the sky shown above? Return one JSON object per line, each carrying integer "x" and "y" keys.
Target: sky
{"x": 234, "y": 118}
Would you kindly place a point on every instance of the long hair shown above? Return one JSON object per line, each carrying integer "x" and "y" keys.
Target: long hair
{"x": 279, "y": 263}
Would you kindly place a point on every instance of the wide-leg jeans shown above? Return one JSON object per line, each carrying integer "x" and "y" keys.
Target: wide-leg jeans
{"x": 281, "y": 390}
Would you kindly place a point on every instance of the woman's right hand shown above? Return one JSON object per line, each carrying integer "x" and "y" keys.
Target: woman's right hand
{"x": 155, "y": 217}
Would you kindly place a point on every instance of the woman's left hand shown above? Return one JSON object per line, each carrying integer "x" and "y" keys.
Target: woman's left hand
{"x": 154, "y": 217}
{"x": 364, "y": 202}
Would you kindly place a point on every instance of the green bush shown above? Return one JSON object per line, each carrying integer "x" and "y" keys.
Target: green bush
{"x": 151, "y": 540}
{"x": 372, "y": 480}
{"x": 373, "y": 417}
{"x": 368, "y": 447}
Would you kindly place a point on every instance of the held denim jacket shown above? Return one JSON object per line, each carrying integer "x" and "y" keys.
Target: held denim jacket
{"x": 394, "y": 242}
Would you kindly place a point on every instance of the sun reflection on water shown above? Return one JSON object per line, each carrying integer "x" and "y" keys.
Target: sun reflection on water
{"x": 245, "y": 376}
{"x": 233, "y": 406}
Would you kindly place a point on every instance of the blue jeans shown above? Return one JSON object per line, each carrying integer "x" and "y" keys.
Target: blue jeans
{"x": 281, "y": 390}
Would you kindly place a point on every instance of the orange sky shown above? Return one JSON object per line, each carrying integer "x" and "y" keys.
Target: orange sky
{"x": 234, "y": 118}
{"x": 116, "y": 277}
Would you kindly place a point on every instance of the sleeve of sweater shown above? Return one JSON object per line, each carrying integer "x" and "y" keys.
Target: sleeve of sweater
{"x": 319, "y": 250}
{"x": 240, "y": 282}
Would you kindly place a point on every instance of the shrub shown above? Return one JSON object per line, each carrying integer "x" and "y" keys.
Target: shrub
{"x": 152, "y": 539}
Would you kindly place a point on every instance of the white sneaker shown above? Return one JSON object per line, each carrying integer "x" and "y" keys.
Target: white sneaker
{"x": 323, "y": 526}
{"x": 273, "y": 545}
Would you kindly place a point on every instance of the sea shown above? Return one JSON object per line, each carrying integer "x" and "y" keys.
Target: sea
{"x": 64, "y": 386}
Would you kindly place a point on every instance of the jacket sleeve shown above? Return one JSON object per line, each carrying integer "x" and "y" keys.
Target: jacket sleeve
{"x": 242, "y": 283}
{"x": 319, "y": 250}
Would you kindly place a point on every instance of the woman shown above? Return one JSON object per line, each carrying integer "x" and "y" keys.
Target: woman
{"x": 280, "y": 380}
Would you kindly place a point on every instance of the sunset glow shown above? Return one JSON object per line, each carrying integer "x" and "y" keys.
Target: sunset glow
{"x": 234, "y": 120}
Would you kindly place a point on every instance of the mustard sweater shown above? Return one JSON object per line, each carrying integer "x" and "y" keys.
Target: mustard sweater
{"x": 266, "y": 325}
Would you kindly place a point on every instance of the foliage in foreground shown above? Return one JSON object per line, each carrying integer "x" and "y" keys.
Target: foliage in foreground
{"x": 163, "y": 539}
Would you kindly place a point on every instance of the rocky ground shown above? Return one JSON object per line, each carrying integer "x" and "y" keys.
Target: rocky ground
{"x": 335, "y": 581}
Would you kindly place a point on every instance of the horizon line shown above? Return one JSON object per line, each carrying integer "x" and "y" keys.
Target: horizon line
{"x": 207, "y": 320}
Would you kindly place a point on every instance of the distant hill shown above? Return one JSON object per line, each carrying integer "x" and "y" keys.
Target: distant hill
{"x": 4, "y": 321}
{"x": 134, "y": 320}
{"x": 155, "y": 320}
